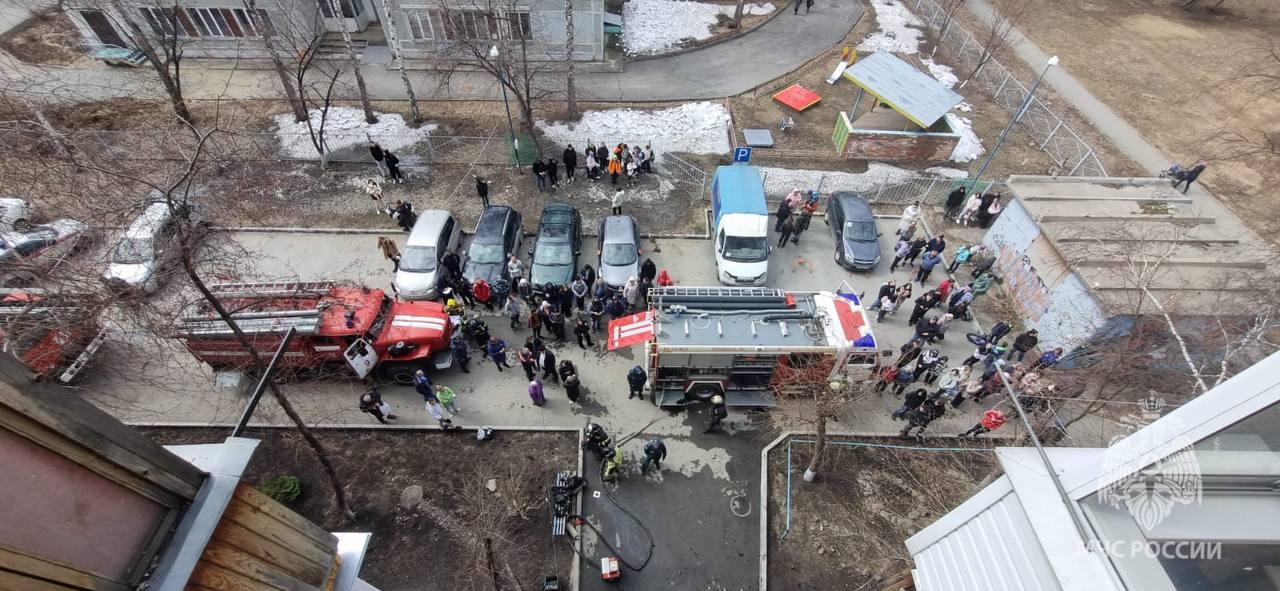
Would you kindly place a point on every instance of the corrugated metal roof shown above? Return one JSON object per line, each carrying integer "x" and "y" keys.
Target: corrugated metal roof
{"x": 994, "y": 549}
{"x": 918, "y": 96}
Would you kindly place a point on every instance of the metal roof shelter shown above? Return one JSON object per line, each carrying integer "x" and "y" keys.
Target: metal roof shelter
{"x": 1017, "y": 533}
{"x": 916, "y": 95}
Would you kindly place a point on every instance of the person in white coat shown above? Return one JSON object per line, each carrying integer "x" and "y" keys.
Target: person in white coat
{"x": 910, "y": 215}
{"x": 971, "y": 207}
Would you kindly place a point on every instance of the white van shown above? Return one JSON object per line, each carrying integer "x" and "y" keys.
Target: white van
{"x": 435, "y": 234}
{"x": 741, "y": 224}
{"x": 140, "y": 257}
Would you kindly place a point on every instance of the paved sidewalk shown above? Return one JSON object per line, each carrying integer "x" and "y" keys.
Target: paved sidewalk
{"x": 1126, "y": 137}
{"x": 720, "y": 70}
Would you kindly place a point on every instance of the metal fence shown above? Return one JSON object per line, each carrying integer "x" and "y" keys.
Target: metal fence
{"x": 892, "y": 189}
{"x": 1064, "y": 146}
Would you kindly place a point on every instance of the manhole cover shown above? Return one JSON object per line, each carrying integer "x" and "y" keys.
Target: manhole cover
{"x": 740, "y": 505}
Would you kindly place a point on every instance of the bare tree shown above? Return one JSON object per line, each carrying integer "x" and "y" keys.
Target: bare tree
{"x": 165, "y": 54}
{"x": 571, "y": 91}
{"x": 397, "y": 54}
{"x": 515, "y": 66}
{"x": 354, "y": 60}
{"x": 269, "y": 28}
{"x": 810, "y": 396}
{"x": 949, "y": 8}
{"x": 994, "y": 36}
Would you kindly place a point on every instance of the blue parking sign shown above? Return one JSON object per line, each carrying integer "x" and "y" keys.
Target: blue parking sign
{"x": 742, "y": 154}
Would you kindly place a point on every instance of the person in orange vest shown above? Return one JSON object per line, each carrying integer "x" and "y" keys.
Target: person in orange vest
{"x": 991, "y": 420}
{"x": 614, "y": 169}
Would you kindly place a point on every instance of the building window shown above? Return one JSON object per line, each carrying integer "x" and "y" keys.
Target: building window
{"x": 435, "y": 24}
{"x": 206, "y": 22}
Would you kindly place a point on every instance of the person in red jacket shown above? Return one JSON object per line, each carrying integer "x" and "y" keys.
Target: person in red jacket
{"x": 991, "y": 420}
{"x": 483, "y": 294}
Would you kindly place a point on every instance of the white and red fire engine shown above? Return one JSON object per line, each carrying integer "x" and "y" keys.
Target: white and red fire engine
{"x": 743, "y": 343}
{"x": 335, "y": 323}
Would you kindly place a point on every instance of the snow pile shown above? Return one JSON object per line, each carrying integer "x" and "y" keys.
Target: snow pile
{"x": 951, "y": 173}
{"x": 602, "y": 191}
{"x": 696, "y": 128}
{"x": 942, "y": 73}
{"x": 896, "y": 33}
{"x": 970, "y": 147}
{"x": 780, "y": 181}
{"x": 345, "y": 127}
{"x": 658, "y": 26}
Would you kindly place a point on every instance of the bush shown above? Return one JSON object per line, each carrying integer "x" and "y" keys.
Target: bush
{"x": 284, "y": 489}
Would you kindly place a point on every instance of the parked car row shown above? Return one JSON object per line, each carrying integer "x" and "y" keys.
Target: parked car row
{"x": 499, "y": 234}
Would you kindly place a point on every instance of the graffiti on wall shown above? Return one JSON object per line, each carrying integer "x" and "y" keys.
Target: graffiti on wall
{"x": 1021, "y": 280}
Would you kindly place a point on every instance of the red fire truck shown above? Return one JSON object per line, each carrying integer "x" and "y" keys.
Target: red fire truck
{"x": 52, "y": 335}
{"x": 335, "y": 323}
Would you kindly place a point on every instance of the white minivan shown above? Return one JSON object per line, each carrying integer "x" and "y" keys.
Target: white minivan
{"x": 435, "y": 234}
{"x": 145, "y": 252}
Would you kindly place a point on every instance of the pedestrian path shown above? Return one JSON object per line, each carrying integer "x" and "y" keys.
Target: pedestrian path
{"x": 724, "y": 69}
{"x": 1126, "y": 137}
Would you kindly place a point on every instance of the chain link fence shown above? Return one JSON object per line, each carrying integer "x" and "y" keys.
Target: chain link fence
{"x": 889, "y": 189}
{"x": 1064, "y": 146}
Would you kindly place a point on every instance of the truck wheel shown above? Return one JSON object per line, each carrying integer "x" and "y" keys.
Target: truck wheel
{"x": 400, "y": 372}
{"x": 703, "y": 391}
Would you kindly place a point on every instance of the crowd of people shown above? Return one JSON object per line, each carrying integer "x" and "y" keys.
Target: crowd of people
{"x": 622, "y": 161}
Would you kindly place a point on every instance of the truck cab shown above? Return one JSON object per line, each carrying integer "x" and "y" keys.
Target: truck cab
{"x": 741, "y": 225}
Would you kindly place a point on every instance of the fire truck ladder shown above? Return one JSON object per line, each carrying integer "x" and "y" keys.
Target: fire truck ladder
{"x": 272, "y": 289}
{"x": 717, "y": 292}
{"x": 307, "y": 321}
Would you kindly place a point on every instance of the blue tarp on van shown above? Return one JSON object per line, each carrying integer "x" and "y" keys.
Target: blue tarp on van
{"x": 737, "y": 189}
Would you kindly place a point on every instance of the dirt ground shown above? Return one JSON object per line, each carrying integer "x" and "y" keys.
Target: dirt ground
{"x": 410, "y": 545}
{"x": 848, "y": 527}
{"x": 1173, "y": 74}
{"x": 48, "y": 38}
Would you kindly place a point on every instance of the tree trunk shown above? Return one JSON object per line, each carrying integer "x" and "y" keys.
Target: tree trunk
{"x": 172, "y": 84}
{"x": 737, "y": 14}
{"x": 321, "y": 454}
{"x": 397, "y": 54}
{"x": 290, "y": 91}
{"x": 819, "y": 449}
{"x": 369, "y": 117}
{"x": 571, "y": 90}
{"x": 48, "y": 128}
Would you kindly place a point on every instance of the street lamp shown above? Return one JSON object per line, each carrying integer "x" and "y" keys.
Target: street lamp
{"x": 515, "y": 142}
{"x": 1017, "y": 116}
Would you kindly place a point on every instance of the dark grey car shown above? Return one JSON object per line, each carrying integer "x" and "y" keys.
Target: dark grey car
{"x": 853, "y": 227}
{"x": 498, "y": 235}
{"x": 618, "y": 247}
{"x": 555, "y": 254}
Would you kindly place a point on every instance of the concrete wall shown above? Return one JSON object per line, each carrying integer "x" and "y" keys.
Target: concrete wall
{"x": 887, "y": 144}
{"x": 546, "y": 20}
{"x": 1048, "y": 295}
{"x": 300, "y": 19}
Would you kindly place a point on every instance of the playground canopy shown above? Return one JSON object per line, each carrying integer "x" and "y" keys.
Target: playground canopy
{"x": 914, "y": 94}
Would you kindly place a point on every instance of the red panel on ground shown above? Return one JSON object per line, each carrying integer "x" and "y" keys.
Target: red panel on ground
{"x": 629, "y": 330}
{"x": 797, "y": 97}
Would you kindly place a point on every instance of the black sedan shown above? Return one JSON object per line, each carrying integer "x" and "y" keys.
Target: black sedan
{"x": 498, "y": 235}
{"x": 853, "y": 227}
{"x": 555, "y": 254}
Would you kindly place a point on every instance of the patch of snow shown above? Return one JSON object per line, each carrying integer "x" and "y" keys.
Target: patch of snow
{"x": 780, "y": 181}
{"x": 602, "y": 192}
{"x": 942, "y": 73}
{"x": 657, "y": 26}
{"x": 970, "y": 147}
{"x": 951, "y": 173}
{"x": 696, "y": 128}
{"x": 964, "y": 107}
{"x": 896, "y": 33}
{"x": 345, "y": 127}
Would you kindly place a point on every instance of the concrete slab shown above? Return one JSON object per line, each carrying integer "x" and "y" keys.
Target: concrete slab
{"x": 140, "y": 378}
